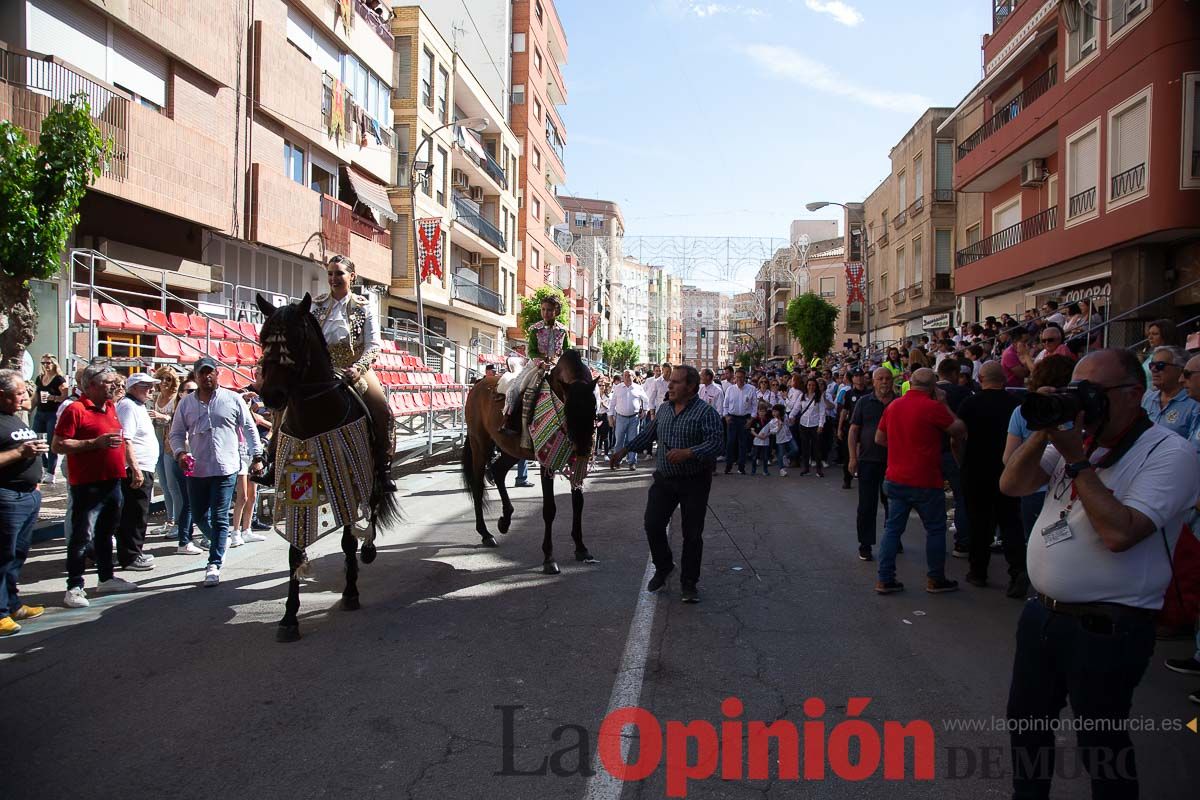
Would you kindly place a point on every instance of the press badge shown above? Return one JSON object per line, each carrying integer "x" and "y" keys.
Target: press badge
{"x": 1058, "y": 532}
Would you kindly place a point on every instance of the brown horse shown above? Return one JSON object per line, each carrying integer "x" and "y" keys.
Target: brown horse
{"x": 571, "y": 381}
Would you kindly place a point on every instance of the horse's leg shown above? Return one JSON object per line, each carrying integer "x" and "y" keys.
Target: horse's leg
{"x": 477, "y": 466}
{"x": 289, "y": 627}
{"x": 581, "y": 551}
{"x": 500, "y": 467}
{"x": 350, "y": 548}
{"x": 548, "y": 510}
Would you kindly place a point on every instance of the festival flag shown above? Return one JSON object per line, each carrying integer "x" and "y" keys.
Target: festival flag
{"x": 430, "y": 249}
{"x": 337, "y": 111}
{"x": 854, "y": 283}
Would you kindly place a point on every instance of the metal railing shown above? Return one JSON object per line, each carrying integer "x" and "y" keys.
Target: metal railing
{"x": 917, "y": 206}
{"x": 1081, "y": 203}
{"x": 335, "y": 224}
{"x": 1129, "y": 181}
{"x": 464, "y": 288}
{"x": 1009, "y": 237}
{"x": 901, "y": 220}
{"x": 1002, "y": 10}
{"x": 470, "y": 218}
{"x": 1009, "y": 111}
{"x": 555, "y": 141}
{"x": 883, "y": 238}
{"x": 899, "y": 296}
{"x": 374, "y": 21}
{"x": 916, "y": 290}
{"x": 943, "y": 195}
{"x": 52, "y": 78}
{"x": 494, "y": 170}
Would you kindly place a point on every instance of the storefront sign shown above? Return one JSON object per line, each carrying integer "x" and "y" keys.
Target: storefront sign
{"x": 1096, "y": 290}
{"x": 936, "y": 322}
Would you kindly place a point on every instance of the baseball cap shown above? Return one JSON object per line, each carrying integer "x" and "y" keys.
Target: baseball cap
{"x": 139, "y": 377}
{"x": 204, "y": 362}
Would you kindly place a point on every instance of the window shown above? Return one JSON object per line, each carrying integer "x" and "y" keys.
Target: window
{"x": 402, "y": 68}
{"x": 1190, "y": 158}
{"x": 300, "y": 32}
{"x": 900, "y": 276}
{"x": 918, "y": 261}
{"x": 427, "y": 80}
{"x": 597, "y": 222}
{"x": 943, "y": 253}
{"x": 918, "y": 178}
{"x": 828, "y": 286}
{"x": 943, "y": 176}
{"x": 1082, "y": 42}
{"x": 518, "y": 94}
{"x": 537, "y": 59}
{"x": 1083, "y": 171}
{"x": 537, "y": 109}
{"x": 535, "y": 259}
{"x": 538, "y": 12}
{"x": 581, "y": 219}
{"x": 902, "y": 186}
{"x": 293, "y": 162}
{"x": 441, "y": 177}
{"x": 518, "y": 43}
{"x": 537, "y": 208}
{"x": 1124, "y": 14}
{"x": 323, "y": 176}
{"x": 973, "y": 233}
{"x": 537, "y": 160}
{"x": 403, "y": 165}
{"x": 443, "y": 93}
{"x": 1006, "y": 215}
{"x": 1128, "y": 148}
{"x": 883, "y": 285}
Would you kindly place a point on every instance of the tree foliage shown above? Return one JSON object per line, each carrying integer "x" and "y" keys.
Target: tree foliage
{"x": 40, "y": 192}
{"x": 620, "y": 353}
{"x": 811, "y": 319}
{"x": 531, "y": 307}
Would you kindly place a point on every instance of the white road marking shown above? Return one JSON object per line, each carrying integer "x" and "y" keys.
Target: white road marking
{"x": 627, "y": 689}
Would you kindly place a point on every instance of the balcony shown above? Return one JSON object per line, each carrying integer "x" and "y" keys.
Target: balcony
{"x": 917, "y": 207}
{"x": 899, "y": 297}
{"x": 471, "y": 292}
{"x": 883, "y": 238}
{"x": 943, "y": 195}
{"x": 472, "y": 151}
{"x": 1130, "y": 181}
{"x": 555, "y": 141}
{"x": 882, "y": 305}
{"x": 1001, "y": 11}
{"x": 1040, "y": 85}
{"x": 374, "y": 22}
{"x": 916, "y": 289}
{"x": 1009, "y": 237}
{"x": 1081, "y": 203}
{"x": 468, "y": 214}
{"x": 901, "y": 220}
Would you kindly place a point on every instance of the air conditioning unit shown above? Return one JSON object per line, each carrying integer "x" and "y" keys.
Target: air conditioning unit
{"x": 459, "y": 178}
{"x": 477, "y": 194}
{"x": 474, "y": 259}
{"x": 1033, "y": 173}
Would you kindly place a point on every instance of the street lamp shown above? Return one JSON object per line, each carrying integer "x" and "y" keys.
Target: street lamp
{"x": 476, "y": 124}
{"x": 855, "y": 207}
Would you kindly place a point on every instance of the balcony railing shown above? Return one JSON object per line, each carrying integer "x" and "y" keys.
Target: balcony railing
{"x": 899, "y": 296}
{"x": 1002, "y": 10}
{"x": 374, "y": 21}
{"x": 943, "y": 195}
{"x": 901, "y": 220}
{"x": 1129, "y": 181}
{"x": 942, "y": 283}
{"x": 1040, "y": 85}
{"x": 492, "y": 167}
{"x": 471, "y": 292}
{"x": 1081, "y": 203}
{"x": 55, "y": 82}
{"x": 916, "y": 290}
{"x": 917, "y": 206}
{"x": 367, "y": 229}
{"x": 555, "y": 141}
{"x": 1013, "y": 235}
{"x": 882, "y": 305}
{"x": 468, "y": 214}
{"x": 335, "y": 225}
{"x": 883, "y": 238}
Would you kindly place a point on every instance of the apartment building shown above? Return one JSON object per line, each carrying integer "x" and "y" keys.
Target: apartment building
{"x": 1086, "y": 158}
{"x": 576, "y": 285}
{"x": 822, "y": 271}
{"x": 634, "y": 280}
{"x": 596, "y": 229}
{"x": 706, "y": 343}
{"x": 538, "y": 53}
{"x": 463, "y": 180}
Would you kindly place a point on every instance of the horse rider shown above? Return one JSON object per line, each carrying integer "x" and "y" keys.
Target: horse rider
{"x": 546, "y": 340}
{"x": 351, "y": 328}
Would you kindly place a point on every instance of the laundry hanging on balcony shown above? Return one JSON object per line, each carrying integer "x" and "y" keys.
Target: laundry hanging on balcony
{"x": 337, "y": 112}
{"x": 429, "y": 243}
{"x": 371, "y": 194}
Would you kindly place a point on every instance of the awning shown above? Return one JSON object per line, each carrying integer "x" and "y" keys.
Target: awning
{"x": 371, "y": 194}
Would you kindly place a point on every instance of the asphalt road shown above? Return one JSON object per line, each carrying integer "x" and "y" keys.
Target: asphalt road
{"x": 181, "y": 692}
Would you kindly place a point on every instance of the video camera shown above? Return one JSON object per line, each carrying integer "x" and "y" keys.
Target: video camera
{"x": 1051, "y": 409}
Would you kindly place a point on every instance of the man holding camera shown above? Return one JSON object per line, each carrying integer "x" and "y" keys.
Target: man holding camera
{"x": 1099, "y": 560}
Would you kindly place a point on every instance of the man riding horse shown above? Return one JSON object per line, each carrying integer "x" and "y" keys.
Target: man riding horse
{"x": 546, "y": 340}
{"x": 351, "y": 328}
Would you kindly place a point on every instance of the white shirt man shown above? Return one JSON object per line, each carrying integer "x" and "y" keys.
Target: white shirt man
{"x": 710, "y": 392}
{"x": 628, "y": 400}
{"x": 138, "y": 430}
{"x": 739, "y": 401}
{"x": 656, "y": 391}
{"x": 136, "y": 426}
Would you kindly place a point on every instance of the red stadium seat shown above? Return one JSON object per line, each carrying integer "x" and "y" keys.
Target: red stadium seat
{"x": 166, "y": 347}
{"x": 249, "y": 330}
{"x": 178, "y": 323}
{"x": 158, "y": 320}
{"x": 226, "y": 379}
{"x": 247, "y": 354}
{"x": 138, "y": 321}
{"x": 198, "y": 326}
{"x": 112, "y": 316}
{"x": 85, "y": 312}
{"x": 227, "y": 352}
{"x": 190, "y": 350}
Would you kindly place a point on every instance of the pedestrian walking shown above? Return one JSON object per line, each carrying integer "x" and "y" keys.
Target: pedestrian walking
{"x": 688, "y": 431}
{"x": 140, "y": 438}
{"x": 51, "y": 390}
{"x": 868, "y": 459}
{"x": 21, "y": 452}
{"x": 628, "y": 406}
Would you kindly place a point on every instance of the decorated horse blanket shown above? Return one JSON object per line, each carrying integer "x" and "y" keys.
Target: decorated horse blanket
{"x": 549, "y": 442}
{"x": 323, "y": 483}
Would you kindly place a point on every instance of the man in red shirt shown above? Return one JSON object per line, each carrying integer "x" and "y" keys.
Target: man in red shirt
{"x": 911, "y": 430}
{"x": 89, "y": 434}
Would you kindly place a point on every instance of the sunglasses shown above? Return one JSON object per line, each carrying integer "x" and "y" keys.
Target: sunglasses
{"x": 1050, "y": 340}
{"x": 1159, "y": 366}
{"x": 186, "y": 391}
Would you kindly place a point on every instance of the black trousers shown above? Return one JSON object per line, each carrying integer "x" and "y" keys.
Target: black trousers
{"x": 987, "y": 510}
{"x": 95, "y": 515}
{"x": 810, "y": 445}
{"x": 135, "y": 508}
{"x": 870, "y": 495}
{"x": 690, "y": 494}
{"x": 843, "y": 451}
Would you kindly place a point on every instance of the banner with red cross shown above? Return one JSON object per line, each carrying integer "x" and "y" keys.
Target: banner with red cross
{"x": 854, "y": 282}
{"x": 430, "y": 246}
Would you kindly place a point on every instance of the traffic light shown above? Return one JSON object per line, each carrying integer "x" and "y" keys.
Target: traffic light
{"x": 704, "y": 333}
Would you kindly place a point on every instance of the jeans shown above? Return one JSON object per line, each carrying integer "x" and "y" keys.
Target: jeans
{"x": 690, "y": 493}
{"x": 1096, "y": 667}
{"x": 135, "y": 507}
{"x": 43, "y": 422}
{"x": 95, "y": 515}
{"x": 962, "y": 518}
{"x": 737, "y": 442}
{"x": 171, "y": 487}
{"x": 522, "y": 471}
{"x": 1031, "y": 508}
{"x": 989, "y": 511}
{"x": 762, "y": 452}
{"x": 785, "y": 450}
{"x": 211, "y": 499}
{"x": 870, "y": 494}
{"x": 627, "y": 429}
{"x": 931, "y": 507}
{"x": 18, "y": 512}
{"x": 183, "y": 511}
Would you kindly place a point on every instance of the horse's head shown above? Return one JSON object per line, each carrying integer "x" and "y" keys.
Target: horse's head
{"x": 572, "y": 380}
{"x": 294, "y": 350}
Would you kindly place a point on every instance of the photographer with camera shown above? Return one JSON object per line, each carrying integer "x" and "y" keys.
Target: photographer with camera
{"x": 1099, "y": 560}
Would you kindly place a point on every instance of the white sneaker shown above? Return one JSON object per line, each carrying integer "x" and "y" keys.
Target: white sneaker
{"x": 188, "y": 549}
{"x": 212, "y": 575}
{"x": 235, "y": 539}
{"x": 76, "y": 598}
{"x": 116, "y": 585}
{"x": 782, "y": 472}
{"x": 251, "y": 536}
{"x": 143, "y": 563}
{"x": 51, "y": 478}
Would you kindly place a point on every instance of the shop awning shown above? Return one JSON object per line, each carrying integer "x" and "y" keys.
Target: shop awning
{"x": 371, "y": 194}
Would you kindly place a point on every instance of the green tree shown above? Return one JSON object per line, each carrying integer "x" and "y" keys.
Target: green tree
{"x": 40, "y": 192}
{"x": 811, "y": 319}
{"x": 531, "y": 307}
{"x": 620, "y": 353}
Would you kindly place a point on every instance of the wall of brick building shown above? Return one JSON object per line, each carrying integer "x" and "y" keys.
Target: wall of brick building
{"x": 283, "y": 213}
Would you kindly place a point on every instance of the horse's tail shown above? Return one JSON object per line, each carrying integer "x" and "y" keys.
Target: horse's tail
{"x": 473, "y": 481}
{"x": 385, "y": 505}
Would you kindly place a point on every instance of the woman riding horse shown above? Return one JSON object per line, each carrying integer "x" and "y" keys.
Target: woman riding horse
{"x": 546, "y": 340}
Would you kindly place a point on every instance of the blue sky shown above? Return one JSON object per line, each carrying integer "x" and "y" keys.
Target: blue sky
{"x": 725, "y": 118}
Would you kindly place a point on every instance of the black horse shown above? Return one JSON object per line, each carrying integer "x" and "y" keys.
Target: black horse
{"x": 297, "y": 377}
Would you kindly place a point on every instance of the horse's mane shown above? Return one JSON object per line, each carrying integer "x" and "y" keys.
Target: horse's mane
{"x": 291, "y": 319}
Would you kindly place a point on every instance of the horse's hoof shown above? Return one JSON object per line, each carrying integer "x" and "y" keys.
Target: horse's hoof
{"x": 287, "y": 633}
{"x": 550, "y": 568}
{"x": 490, "y": 541}
{"x": 503, "y": 523}
{"x": 350, "y": 603}
{"x": 586, "y": 557}
{"x": 368, "y": 554}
